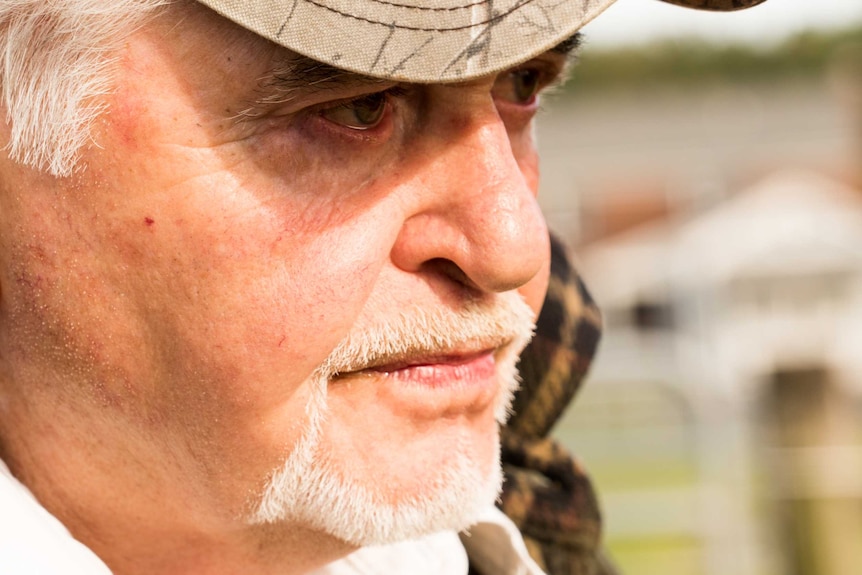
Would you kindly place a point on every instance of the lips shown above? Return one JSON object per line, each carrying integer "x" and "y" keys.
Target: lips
{"x": 471, "y": 378}
{"x": 442, "y": 370}
{"x": 449, "y": 368}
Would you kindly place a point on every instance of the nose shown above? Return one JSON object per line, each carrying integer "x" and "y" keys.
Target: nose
{"x": 475, "y": 216}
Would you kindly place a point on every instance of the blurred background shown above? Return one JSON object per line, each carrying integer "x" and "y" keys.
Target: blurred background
{"x": 707, "y": 169}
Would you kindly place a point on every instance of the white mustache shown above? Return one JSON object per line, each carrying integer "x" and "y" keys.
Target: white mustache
{"x": 505, "y": 321}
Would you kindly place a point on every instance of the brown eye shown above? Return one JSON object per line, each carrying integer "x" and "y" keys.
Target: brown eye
{"x": 518, "y": 86}
{"x": 360, "y": 114}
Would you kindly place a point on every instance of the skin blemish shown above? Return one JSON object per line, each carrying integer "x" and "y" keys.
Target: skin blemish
{"x": 149, "y": 221}
{"x": 126, "y": 111}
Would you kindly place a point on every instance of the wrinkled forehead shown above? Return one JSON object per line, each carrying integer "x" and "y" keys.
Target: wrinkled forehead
{"x": 424, "y": 40}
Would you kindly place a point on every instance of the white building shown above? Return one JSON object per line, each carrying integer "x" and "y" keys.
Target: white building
{"x": 730, "y": 368}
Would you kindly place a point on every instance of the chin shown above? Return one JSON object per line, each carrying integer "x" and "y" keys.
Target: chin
{"x": 309, "y": 490}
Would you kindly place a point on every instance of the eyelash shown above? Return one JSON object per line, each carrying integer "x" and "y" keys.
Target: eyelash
{"x": 365, "y": 133}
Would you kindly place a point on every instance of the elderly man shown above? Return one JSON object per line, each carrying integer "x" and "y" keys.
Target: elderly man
{"x": 267, "y": 267}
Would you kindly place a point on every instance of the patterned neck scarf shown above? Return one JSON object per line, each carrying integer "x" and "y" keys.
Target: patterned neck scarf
{"x": 547, "y": 493}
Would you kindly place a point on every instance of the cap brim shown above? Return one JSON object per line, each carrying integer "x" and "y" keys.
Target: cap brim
{"x": 422, "y": 40}
{"x": 414, "y": 40}
{"x": 716, "y": 5}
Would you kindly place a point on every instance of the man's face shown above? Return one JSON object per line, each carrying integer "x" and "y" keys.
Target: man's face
{"x": 172, "y": 307}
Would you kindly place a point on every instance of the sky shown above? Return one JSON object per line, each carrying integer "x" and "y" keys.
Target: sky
{"x": 638, "y": 21}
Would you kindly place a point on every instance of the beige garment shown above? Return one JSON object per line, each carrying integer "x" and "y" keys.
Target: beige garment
{"x": 494, "y": 545}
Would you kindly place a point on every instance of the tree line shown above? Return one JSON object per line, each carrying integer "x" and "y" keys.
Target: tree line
{"x": 691, "y": 61}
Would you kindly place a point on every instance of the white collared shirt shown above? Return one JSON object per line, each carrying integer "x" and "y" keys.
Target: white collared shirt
{"x": 34, "y": 542}
{"x": 495, "y": 546}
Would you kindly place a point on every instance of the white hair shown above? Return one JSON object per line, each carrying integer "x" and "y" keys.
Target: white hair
{"x": 56, "y": 59}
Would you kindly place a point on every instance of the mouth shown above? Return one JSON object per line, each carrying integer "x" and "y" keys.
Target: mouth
{"x": 443, "y": 370}
{"x": 438, "y": 370}
{"x": 429, "y": 385}
{"x": 468, "y": 365}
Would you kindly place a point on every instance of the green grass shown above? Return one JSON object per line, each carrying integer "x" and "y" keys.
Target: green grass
{"x": 668, "y": 555}
{"x": 653, "y": 474}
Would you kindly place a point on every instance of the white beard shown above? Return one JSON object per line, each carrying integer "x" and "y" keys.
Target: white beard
{"x": 310, "y": 490}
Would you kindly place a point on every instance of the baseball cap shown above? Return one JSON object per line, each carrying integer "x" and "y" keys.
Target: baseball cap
{"x": 423, "y": 40}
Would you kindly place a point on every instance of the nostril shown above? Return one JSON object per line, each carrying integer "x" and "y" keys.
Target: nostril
{"x": 451, "y": 271}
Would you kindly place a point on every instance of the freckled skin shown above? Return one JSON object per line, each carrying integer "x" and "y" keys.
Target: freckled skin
{"x": 162, "y": 310}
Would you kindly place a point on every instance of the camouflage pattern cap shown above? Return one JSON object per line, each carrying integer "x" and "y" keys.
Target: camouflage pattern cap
{"x": 423, "y": 40}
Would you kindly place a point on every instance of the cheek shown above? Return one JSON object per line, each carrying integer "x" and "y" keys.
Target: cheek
{"x": 232, "y": 364}
{"x": 243, "y": 283}
{"x": 64, "y": 319}
{"x": 261, "y": 322}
